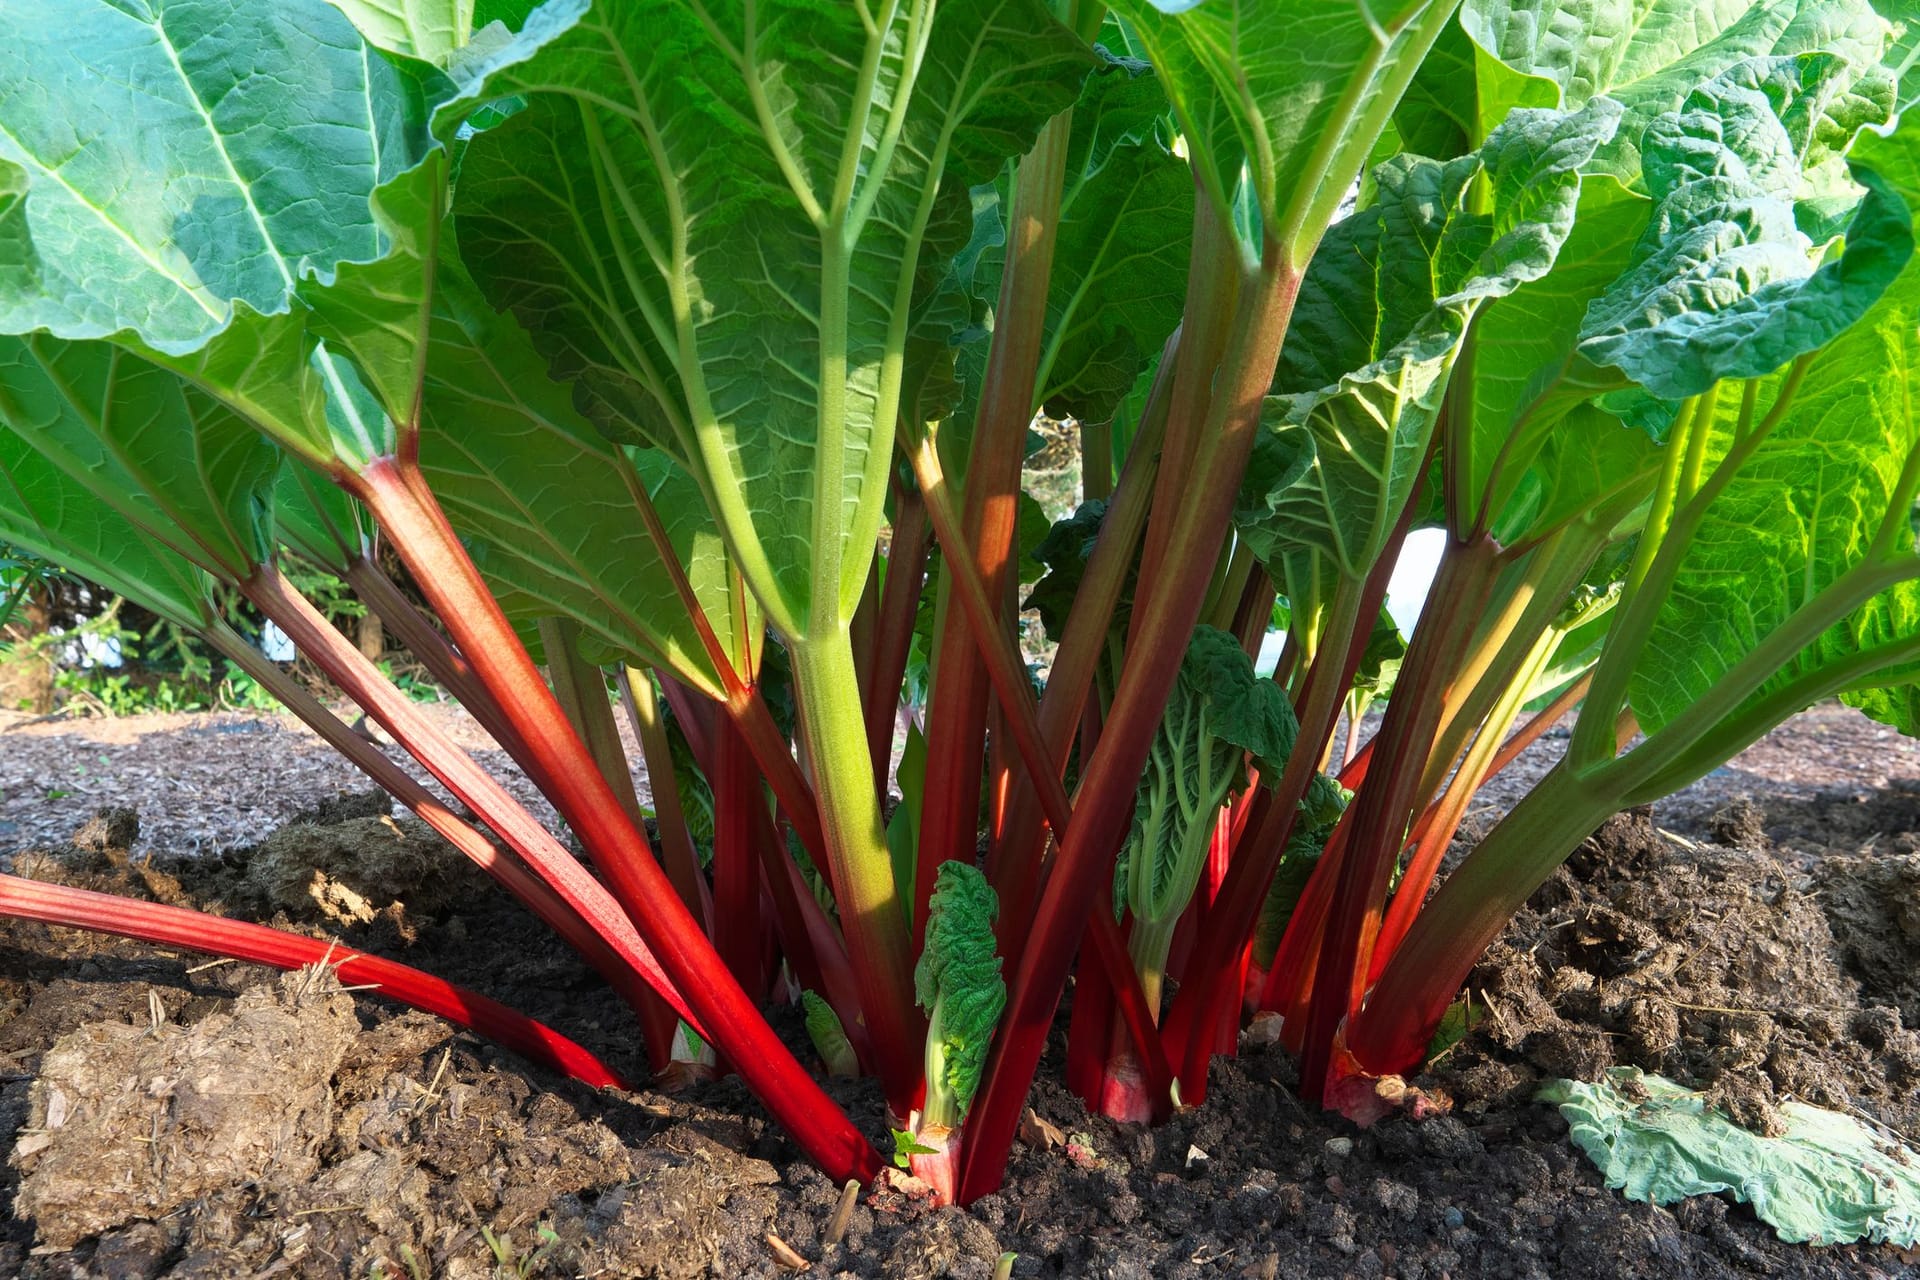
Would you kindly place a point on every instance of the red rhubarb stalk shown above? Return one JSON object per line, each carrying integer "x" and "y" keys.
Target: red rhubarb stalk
{"x": 1199, "y": 1006}
{"x": 411, "y": 627}
{"x": 893, "y": 632}
{"x": 957, "y": 705}
{"x": 187, "y": 930}
{"x": 738, "y": 930}
{"x": 1017, "y": 865}
{"x": 1437, "y": 826}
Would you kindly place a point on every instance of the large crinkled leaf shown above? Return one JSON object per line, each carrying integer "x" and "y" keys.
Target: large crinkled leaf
{"x": 180, "y": 157}
{"x": 1120, "y": 261}
{"x": 1829, "y": 1179}
{"x": 1380, "y": 319}
{"x": 48, "y": 512}
{"x": 1778, "y": 121}
{"x": 1281, "y": 96}
{"x": 522, "y": 475}
{"x": 712, "y": 219}
{"x": 1650, "y": 54}
{"x": 1460, "y": 94}
{"x": 1724, "y": 284}
{"x": 1808, "y": 504}
{"x": 159, "y": 450}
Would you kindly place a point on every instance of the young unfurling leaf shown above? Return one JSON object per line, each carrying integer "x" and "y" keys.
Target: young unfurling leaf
{"x": 1220, "y": 713}
{"x": 958, "y": 983}
{"x": 829, "y": 1037}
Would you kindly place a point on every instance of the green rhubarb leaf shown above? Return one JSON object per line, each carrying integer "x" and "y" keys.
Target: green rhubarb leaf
{"x": 1127, "y": 413}
{"x": 525, "y": 477}
{"x": 1379, "y": 665}
{"x": 1124, "y": 238}
{"x": 1648, "y": 55}
{"x": 49, "y": 513}
{"x": 1064, "y": 552}
{"x": 1809, "y": 503}
{"x": 431, "y": 30}
{"x": 1380, "y": 321}
{"x": 1829, "y": 1179}
{"x": 1524, "y": 378}
{"x": 1218, "y": 715}
{"x": 952, "y": 322}
{"x": 1903, "y": 50}
{"x": 1589, "y": 469}
{"x": 958, "y": 983}
{"x": 163, "y": 453}
{"x": 1580, "y": 630}
{"x": 713, "y": 220}
{"x": 1281, "y": 112}
{"x": 1724, "y": 284}
{"x": 1460, "y": 95}
{"x": 906, "y": 1146}
{"x": 258, "y": 204}
{"x": 317, "y": 520}
{"x": 1439, "y": 115}
{"x": 829, "y": 1037}
{"x": 178, "y": 159}
{"x": 1739, "y": 127}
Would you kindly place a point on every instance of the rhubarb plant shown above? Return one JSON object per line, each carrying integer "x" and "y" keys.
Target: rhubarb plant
{"x": 695, "y": 345}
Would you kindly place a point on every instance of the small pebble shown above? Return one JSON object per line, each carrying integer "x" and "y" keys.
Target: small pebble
{"x": 1340, "y": 1147}
{"x": 1454, "y": 1218}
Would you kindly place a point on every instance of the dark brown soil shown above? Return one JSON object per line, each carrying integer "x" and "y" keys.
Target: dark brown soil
{"x": 1765, "y": 953}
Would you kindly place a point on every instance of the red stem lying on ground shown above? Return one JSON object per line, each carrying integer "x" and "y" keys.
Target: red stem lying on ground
{"x": 211, "y": 935}
{"x": 347, "y": 667}
{"x": 406, "y": 509}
